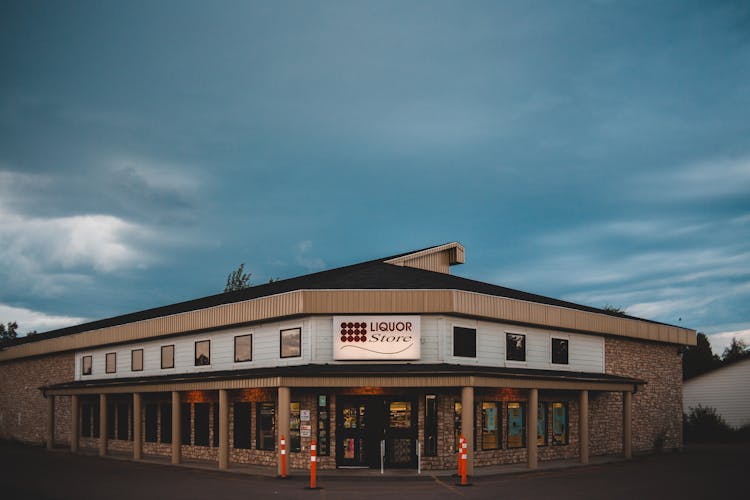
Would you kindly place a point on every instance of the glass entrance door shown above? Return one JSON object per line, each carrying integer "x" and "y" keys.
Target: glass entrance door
{"x": 351, "y": 433}
{"x": 400, "y": 433}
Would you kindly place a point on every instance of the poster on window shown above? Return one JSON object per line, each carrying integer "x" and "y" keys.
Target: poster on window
{"x": 515, "y": 425}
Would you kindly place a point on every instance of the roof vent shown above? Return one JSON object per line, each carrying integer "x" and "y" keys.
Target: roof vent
{"x": 437, "y": 259}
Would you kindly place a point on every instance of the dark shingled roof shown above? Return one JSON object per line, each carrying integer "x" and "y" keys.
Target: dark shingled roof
{"x": 370, "y": 275}
{"x": 344, "y": 371}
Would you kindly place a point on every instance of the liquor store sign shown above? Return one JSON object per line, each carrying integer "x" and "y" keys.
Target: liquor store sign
{"x": 376, "y": 337}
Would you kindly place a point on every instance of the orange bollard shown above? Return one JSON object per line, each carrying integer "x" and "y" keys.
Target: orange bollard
{"x": 313, "y": 460}
{"x": 464, "y": 457}
{"x": 460, "y": 451}
{"x": 283, "y": 457}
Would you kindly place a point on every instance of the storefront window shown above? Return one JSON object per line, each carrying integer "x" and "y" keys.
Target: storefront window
{"x": 186, "y": 423}
{"x": 201, "y": 424}
{"x": 324, "y": 426}
{"x": 456, "y": 424}
{"x": 541, "y": 424}
{"x": 559, "y": 423}
{"x": 430, "y": 425}
{"x": 294, "y": 427}
{"x": 165, "y": 421}
{"x": 242, "y": 425}
{"x": 516, "y": 425}
{"x": 490, "y": 426}
{"x": 86, "y": 420}
{"x": 152, "y": 411}
{"x": 266, "y": 423}
{"x": 400, "y": 415}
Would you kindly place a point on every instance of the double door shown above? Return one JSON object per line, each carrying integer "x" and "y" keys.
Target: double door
{"x": 362, "y": 423}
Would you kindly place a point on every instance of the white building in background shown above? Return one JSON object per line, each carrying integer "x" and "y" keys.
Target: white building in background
{"x": 726, "y": 389}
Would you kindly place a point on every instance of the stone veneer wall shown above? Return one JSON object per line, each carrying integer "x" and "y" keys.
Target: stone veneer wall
{"x": 657, "y": 406}
{"x": 23, "y": 408}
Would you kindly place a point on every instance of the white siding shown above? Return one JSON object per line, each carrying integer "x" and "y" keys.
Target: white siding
{"x": 726, "y": 390}
{"x": 586, "y": 352}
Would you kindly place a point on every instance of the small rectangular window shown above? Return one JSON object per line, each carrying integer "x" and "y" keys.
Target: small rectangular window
{"x": 242, "y": 425}
{"x": 515, "y": 345}
{"x": 266, "y": 423}
{"x": 457, "y": 411}
{"x": 167, "y": 356}
{"x": 110, "y": 362}
{"x": 560, "y": 351}
{"x": 430, "y": 425}
{"x": 516, "y": 425}
{"x": 136, "y": 360}
{"x": 243, "y": 348}
{"x": 203, "y": 353}
{"x": 291, "y": 343}
{"x": 541, "y": 424}
{"x": 324, "y": 425}
{"x": 490, "y": 426}
{"x": 86, "y": 365}
{"x": 464, "y": 342}
{"x": 559, "y": 423}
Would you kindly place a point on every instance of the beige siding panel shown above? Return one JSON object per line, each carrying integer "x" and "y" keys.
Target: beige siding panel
{"x": 360, "y": 301}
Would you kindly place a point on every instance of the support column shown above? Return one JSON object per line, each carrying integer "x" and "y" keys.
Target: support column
{"x": 50, "y": 422}
{"x": 75, "y": 424}
{"x": 103, "y": 432}
{"x": 137, "y": 427}
{"x": 531, "y": 428}
{"x": 223, "y": 429}
{"x": 467, "y": 426}
{"x": 176, "y": 432}
{"x": 627, "y": 424}
{"x": 583, "y": 426}
{"x": 283, "y": 427}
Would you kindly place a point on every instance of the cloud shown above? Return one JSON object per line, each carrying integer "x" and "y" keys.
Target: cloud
{"x": 722, "y": 340}
{"x": 29, "y": 320}
{"x": 309, "y": 262}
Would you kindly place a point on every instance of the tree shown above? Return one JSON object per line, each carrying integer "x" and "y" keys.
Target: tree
{"x": 736, "y": 350}
{"x": 9, "y": 332}
{"x": 237, "y": 279}
{"x": 699, "y": 358}
{"x": 615, "y": 309}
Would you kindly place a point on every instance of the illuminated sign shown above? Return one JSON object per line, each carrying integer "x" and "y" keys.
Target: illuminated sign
{"x": 376, "y": 337}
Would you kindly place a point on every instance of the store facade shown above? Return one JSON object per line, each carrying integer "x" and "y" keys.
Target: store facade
{"x": 387, "y": 361}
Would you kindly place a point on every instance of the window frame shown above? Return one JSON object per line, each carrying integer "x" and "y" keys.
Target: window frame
{"x": 106, "y": 362}
{"x": 260, "y": 443}
{"x": 298, "y": 329}
{"x": 236, "y": 337}
{"x": 167, "y": 346}
{"x": 567, "y": 350}
{"x": 132, "y": 360}
{"x": 195, "y": 353}
{"x": 90, "y": 359}
{"x": 498, "y": 424}
{"x": 456, "y": 344}
{"x": 430, "y": 425}
{"x": 542, "y": 414}
{"x": 523, "y": 407}
{"x": 566, "y": 409}
{"x": 508, "y": 351}
{"x": 324, "y": 424}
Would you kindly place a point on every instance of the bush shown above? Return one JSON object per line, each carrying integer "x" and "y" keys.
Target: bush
{"x": 704, "y": 425}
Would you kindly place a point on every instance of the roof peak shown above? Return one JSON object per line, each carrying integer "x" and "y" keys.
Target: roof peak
{"x": 438, "y": 258}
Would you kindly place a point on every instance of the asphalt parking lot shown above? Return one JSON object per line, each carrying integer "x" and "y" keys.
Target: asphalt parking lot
{"x": 715, "y": 472}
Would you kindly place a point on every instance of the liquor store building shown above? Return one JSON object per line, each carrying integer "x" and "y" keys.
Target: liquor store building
{"x": 391, "y": 359}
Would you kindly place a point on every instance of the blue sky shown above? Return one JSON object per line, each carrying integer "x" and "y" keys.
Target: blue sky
{"x": 595, "y": 151}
